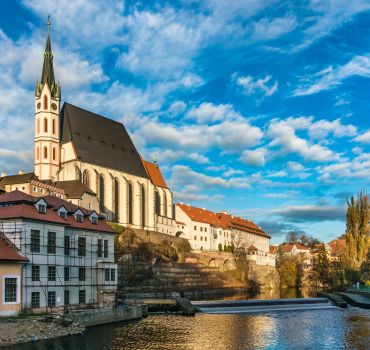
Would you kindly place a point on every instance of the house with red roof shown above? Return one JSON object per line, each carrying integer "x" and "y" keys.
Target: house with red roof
{"x": 295, "y": 249}
{"x": 210, "y": 231}
{"x": 69, "y": 252}
{"x": 11, "y": 264}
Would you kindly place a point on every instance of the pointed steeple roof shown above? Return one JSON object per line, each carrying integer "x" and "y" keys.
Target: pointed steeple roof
{"x": 48, "y": 68}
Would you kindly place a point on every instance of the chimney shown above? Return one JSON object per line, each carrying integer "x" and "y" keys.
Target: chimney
{"x": 20, "y": 172}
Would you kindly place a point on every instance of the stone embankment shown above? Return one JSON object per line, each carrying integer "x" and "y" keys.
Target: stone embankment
{"x": 28, "y": 329}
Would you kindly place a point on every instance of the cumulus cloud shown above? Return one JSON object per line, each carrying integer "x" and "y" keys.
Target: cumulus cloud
{"x": 208, "y": 112}
{"x": 252, "y": 85}
{"x": 363, "y": 138}
{"x": 256, "y": 157}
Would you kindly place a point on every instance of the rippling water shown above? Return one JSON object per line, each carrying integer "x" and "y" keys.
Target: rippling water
{"x": 312, "y": 329}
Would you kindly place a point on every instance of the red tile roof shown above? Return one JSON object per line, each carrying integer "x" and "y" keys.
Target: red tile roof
{"x": 8, "y": 251}
{"x": 337, "y": 245}
{"x": 155, "y": 174}
{"x": 221, "y": 220}
{"x": 17, "y": 196}
{"x": 273, "y": 249}
{"x": 22, "y": 206}
{"x": 287, "y": 247}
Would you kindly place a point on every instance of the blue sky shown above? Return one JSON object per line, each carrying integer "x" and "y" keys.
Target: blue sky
{"x": 257, "y": 107}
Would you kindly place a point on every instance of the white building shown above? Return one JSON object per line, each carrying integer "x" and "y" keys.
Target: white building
{"x": 207, "y": 230}
{"x": 70, "y": 251}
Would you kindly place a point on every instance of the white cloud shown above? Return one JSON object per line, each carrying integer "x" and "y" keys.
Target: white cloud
{"x": 364, "y": 137}
{"x": 268, "y": 28}
{"x": 295, "y": 166}
{"x": 208, "y": 112}
{"x": 322, "y": 128}
{"x": 283, "y": 135}
{"x": 169, "y": 156}
{"x": 256, "y": 157}
{"x": 331, "y": 78}
{"x": 253, "y": 85}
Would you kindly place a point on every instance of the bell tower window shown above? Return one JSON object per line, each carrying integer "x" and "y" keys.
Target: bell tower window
{"x": 45, "y": 125}
{"x": 53, "y": 126}
{"x": 54, "y": 153}
{"x": 38, "y": 125}
{"x": 45, "y": 102}
{"x": 37, "y": 153}
{"x": 45, "y": 152}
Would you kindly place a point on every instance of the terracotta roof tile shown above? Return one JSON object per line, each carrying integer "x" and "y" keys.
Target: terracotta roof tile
{"x": 155, "y": 174}
{"x": 8, "y": 251}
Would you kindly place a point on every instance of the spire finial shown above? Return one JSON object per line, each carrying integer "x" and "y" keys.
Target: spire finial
{"x": 155, "y": 159}
{"x": 49, "y": 23}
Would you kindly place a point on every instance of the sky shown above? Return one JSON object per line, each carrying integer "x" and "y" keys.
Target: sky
{"x": 260, "y": 108}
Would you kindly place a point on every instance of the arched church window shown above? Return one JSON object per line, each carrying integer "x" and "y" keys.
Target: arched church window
{"x": 37, "y": 153}
{"x": 45, "y": 125}
{"x": 54, "y": 153}
{"x": 38, "y": 125}
{"x": 164, "y": 204}
{"x": 157, "y": 199}
{"x": 143, "y": 205}
{"x": 102, "y": 193}
{"x": 45, "y": 152}
{"x": 86, "y": 178}
{"x": 130, "y": 203}
{"x": 45, "y": 102}
{"x": 116, "y": 199}
{"x": 53, "y": 126}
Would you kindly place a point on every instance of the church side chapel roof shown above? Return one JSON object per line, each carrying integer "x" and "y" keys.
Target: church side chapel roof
{"x": 74, "y": 188}
{"x": 100, "y": 141}
{"x": 155, "y": 174}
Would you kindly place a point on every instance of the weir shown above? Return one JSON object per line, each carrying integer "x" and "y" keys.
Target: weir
{"x": 262, "y": 306}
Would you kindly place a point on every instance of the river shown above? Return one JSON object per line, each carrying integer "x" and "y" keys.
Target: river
{"x": 331, "y": 329}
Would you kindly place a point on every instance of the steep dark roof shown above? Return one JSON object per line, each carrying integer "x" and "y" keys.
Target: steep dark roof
{"x": 48, "y": 68}
{"x": 73, "y": 188}
{"x": 17, "y": 179}
{"x": 16, "y": 197}
{"x": 101, "y": 141}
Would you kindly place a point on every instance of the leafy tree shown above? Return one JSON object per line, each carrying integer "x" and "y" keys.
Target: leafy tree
{"x": 321, "y": 265}
{"x": 357, "y": 233}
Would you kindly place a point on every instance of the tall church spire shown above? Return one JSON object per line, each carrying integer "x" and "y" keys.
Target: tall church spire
{"x": 48, "y": 68}
{"x": 47, "y": 76}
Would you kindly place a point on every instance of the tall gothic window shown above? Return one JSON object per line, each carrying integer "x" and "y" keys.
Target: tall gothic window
{"x": 143, "y": 205}
{"x": 45, "y": 125}
{"x": 45, "y": 152}
{"x": 130, "y": 203}
{"x": 86, "y": 178}
{"x": 102, "y": 193}
{"x": 116, "y": 199}
{"x": 164, "y": 204}
{"x": 45, "y": 102}
{"x": 54, "y": 153}
{"x": 157, "y": 199}
{"x": 53, "y": 126}
{"x": 37, "y": 153}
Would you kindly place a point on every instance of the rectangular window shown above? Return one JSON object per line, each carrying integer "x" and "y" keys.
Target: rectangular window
{"x": 51, "y": 273}
{"x": 205, "y": 229}
{"x": 35, "y": 299}
{"x": 51, "y": 299}
{"x": 67, "y": 245}
{"x": 42, "y": 207}
{"x": 100, "y": 248}
{"x": 79, "y": 218}
{"x": 107, "y": 275}
{"x": 81, "y": 274}
{"x": 66, "y": 297}
{"x": 112, "y": 275}
{"x": 51, "y": 242}
{"x": 105, "y": 248}
{"x": 66, "y": 273}
{"x": 35, "y": 241}
{"x": 10, "y": 290}
{"x": 82, "y": 296}
{"x": 35, "y": 273}
{"x": 81, "y": 246}
{"x": 195, "y": 238}
{"x": 205, "y": 238}
{"x": 195, "y": 228}
{"x": 201, "y": 238}
{"x": 94, "y": 220}
{"x": 63, "y": 214}
{"x": 201, "y": 229}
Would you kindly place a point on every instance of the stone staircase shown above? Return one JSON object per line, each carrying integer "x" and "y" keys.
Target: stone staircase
{"x": 172, "y": 277}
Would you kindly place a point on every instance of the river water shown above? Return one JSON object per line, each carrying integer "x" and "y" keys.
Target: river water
{"x": 330, "y": 329}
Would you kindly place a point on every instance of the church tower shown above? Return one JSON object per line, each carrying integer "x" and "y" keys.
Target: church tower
{"x": 47, "y": 124}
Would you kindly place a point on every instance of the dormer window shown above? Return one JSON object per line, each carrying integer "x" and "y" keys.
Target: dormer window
{"x": 94, "y": 220}
{"x": 42, "y": 208}
{"x": 63, "y": 214}
{"x": 79, "y": 217}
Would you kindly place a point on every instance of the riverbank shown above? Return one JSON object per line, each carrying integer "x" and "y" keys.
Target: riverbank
{"x": 15, "y": 330}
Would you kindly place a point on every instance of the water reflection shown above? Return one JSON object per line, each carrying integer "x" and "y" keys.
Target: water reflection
{"x": 319, "y": 329}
